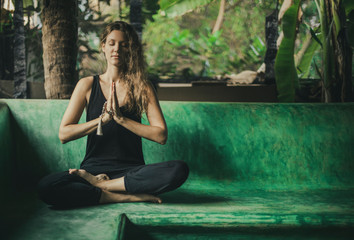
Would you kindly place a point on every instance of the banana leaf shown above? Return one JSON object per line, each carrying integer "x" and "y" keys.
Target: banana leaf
{"x": 350, "y": 28}
{"x": 285, "y": 71}
{"x": 303, "y": 63}
{"x": 348, "y": 6}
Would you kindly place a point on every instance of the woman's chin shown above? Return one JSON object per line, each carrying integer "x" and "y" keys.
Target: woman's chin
{"x": 115, "y": 62}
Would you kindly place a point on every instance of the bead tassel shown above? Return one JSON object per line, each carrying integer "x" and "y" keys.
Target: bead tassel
{"x": 99, "y": 127}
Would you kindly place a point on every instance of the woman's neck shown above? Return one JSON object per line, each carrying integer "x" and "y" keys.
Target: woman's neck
{"x": 112, "y": 74}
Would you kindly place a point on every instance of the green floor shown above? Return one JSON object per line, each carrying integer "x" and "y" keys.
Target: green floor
{"x": 220, "y": 211}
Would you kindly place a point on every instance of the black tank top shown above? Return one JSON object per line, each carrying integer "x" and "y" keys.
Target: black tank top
{"x": 118, "y": 147}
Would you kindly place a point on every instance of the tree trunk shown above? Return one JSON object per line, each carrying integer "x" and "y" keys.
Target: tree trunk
{"x": 220, "y": 17}
{"x": 135, "y": 16}
{"x": 271, "y": 32}
{"x": 20, "y": 83}
{"x": 60, "y": 29}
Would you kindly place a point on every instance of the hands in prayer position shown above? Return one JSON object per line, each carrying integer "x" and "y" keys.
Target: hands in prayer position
{"x": 111, "y": 108}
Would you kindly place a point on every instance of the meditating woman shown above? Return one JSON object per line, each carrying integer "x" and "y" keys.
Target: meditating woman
{"x": 113, "y": 169}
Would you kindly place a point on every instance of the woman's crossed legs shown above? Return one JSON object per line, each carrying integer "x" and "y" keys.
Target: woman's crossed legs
{"x": 113, "y": 189}
{"x": 79, "y": 187}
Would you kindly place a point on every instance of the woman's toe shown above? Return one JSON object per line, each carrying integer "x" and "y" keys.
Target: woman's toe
{"x": 72, "y": 170}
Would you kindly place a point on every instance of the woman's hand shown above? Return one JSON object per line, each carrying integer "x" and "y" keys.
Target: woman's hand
{"x": 116, "y": 113}
{"x": 111, "y": 107}
{"x": 107, "y": 117}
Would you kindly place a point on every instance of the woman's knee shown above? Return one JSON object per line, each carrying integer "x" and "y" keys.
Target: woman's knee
{"x": 45, "y": 186}
{"x": 67, "y": 190}
{"x": 50, "y": 184}
{"x": 180, "y": 172}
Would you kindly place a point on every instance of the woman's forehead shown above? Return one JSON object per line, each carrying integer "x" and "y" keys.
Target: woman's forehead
{"x": 116, "y": 35}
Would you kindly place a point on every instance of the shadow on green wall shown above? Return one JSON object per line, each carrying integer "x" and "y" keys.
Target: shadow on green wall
{"x": 21, "y": 202}
{"x": 28, "y": 168}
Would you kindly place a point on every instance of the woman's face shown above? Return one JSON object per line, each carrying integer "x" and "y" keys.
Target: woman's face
{"x": 115, "y": 47}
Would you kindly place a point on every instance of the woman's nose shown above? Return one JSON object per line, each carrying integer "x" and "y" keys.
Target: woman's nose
{"x": 116, "y": 47}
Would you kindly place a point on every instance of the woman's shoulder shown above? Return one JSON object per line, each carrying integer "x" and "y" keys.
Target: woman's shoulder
{"x": 84, "y": 86}
{"x": 86, "y": 81}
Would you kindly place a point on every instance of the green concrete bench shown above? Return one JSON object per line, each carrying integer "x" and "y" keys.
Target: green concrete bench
{"x": 262, "y": 171}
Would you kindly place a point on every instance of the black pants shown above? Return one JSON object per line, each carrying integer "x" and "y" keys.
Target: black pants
{"x": 67, "y": 190}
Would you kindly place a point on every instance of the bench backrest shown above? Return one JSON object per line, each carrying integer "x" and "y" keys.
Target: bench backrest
{"x": 260, "y": 145}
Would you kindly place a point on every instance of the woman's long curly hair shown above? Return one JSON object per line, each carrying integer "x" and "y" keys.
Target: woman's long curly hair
{"x": 132, "y": 69}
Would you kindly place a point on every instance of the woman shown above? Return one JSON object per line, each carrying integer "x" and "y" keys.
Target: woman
{"x": 113, "y": 169}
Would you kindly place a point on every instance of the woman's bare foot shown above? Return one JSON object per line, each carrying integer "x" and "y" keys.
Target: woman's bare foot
{"x": 94, "y": 180}
{"x": 149, "y": 198}
{"x": 100, "y": 181}
{"x": 114, "y": 197}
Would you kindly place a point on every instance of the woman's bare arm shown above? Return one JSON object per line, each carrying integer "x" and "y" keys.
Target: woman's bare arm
{"x": 69, "y": 128}
{"x": 157, "y": 130}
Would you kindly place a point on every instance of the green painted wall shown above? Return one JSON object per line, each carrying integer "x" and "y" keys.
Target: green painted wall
{"x": 37, "y": 148}
{"x": 256, "y": 144}
{"x": 270, "y": 145}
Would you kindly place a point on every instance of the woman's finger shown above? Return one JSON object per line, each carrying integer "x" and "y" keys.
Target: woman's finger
{"x": 109, "y": 100}
{"x": 115, "y": 99}
{"x": 114, "y": 96}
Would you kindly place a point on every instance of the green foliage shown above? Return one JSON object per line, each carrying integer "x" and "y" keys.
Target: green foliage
{"x": 304, "y": 65}
{"x": 348, "y": 6}
{"x": 208, "y": 52}
{"x": 183, "y": 47}
{"x": 257, "y": 49}
{"x": 305, "y": 56}
{"x": 6, "y": 20}
{"x": 150, "y": 8}
{"x": 285, "y": 72}
{"x": 173, "y": 8}
{"x": 158, "y": 52}
{"x": 350, "y": 28}
{"x": 331, "y": 53}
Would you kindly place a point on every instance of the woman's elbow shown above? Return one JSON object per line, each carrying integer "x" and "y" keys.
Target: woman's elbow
{"x": 163, "y": 141}
{"x": 62, "y": 137}
{"x": 62, "y": 140}
{"x": 163, "y": 137}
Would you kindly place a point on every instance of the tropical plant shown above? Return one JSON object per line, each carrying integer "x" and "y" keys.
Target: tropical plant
{"x": 285, "y": 71}
{"x": 332, "y": 38}
{"x": 337, "y": 54}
